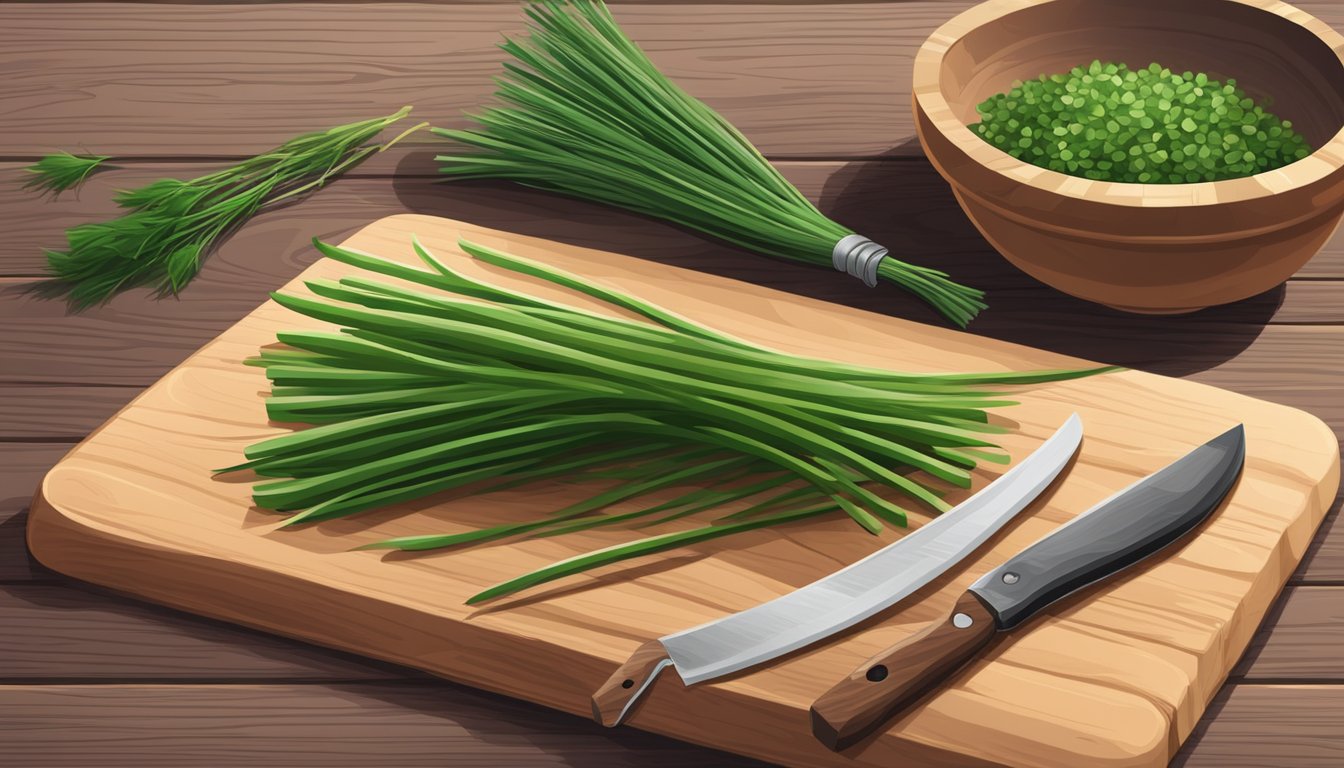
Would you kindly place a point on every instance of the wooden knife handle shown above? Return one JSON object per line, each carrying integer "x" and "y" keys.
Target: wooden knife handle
{"x": 614, "y": 699}
{"x": 893, "y": 680}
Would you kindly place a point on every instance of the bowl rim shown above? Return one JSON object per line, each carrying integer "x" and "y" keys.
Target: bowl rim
{"x": 928, "y": 97}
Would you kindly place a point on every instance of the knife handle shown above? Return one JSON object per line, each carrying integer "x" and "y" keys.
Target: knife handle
{"x": 894, "y": 679}
{"x": 614, "y": 699}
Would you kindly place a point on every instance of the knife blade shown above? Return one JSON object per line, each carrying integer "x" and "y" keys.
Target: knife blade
{"x": 844, "y": 598}
{"x": 1117, "y": 533}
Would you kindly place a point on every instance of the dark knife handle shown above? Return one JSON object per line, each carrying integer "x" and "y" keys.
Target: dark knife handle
{"x": 894, "y": 679}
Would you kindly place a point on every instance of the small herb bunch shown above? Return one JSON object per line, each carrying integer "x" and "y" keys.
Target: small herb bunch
{"x": 585, "y": 112}
{"x": 1148, "y": 126}
{"x": 468, "y": 384}
{"x": 60, "y": 171}
{"x": 172, "y": 224}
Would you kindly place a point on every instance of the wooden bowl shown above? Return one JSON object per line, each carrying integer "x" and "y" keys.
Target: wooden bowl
{"x": 1149, "y": 248}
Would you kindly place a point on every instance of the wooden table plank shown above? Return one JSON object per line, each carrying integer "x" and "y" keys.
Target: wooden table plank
{"x": 1258, "y": 726}
{"x": 22, "y": 466}
{"x": 332, "y": 726}
{"x": 57, "y": 632}
{"x": 1326, "y": 558}
{"x": 58, "y": 413}
{"x": 178, "y": 79}
{"x": 1300, "y": 639}
{"x": 183, "y": 79}
{"x": 177, "y": 726}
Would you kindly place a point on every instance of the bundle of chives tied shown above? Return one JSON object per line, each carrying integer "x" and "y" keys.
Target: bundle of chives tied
{"x": 172, "y": 224}
{"x": 584, "y": 112}
{"x": 470, "y": 384}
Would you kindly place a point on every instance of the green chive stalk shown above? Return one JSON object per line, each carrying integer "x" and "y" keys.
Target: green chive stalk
{"x": 442, "y": 382}
{"x": 584, "y": 112}
{"x": 171, "y": 225}
{"x": 60, "y": 171}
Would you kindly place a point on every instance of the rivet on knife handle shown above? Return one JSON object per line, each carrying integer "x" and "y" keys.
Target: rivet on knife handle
{"x": 894, "y": 679}
{"x": 613, "y": 700}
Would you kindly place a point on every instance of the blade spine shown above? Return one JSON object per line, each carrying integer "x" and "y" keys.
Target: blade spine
{"x": 1068, "y": 437}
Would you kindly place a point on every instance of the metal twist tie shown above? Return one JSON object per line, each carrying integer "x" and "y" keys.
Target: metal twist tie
{"x": 859, "y": 257}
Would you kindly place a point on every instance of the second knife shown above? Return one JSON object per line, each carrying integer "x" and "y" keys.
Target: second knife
{"x": 1121, "y": 531}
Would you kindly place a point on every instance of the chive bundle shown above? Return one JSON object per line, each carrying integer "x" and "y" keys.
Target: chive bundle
{"x": 584, "y": 112}
{"x": 171, "y": 224}
{"x": 1150, "y": 126}
{"x": 471, "y": 385}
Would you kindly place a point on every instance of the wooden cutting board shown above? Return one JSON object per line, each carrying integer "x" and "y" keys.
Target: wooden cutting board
{"x": 1116, "y": 677}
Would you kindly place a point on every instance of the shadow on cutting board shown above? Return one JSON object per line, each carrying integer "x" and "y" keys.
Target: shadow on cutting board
{"x": 898, "y": 201}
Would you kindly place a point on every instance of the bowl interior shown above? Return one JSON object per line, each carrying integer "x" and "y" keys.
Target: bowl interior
{"x": 1281, "y": 65}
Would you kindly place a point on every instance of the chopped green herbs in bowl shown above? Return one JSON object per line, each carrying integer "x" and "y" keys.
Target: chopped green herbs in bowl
{"x": 1207, "y": 178}
{"x": 1107, "y": 122}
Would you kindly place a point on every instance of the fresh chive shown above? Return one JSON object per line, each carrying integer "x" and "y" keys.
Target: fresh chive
{"x": 640, "y": 548}
{"x": 461, "y": 383}
{"x": 60, "y": 171}
{"x": 583, "y": 111}
{"x": 171, "y": 225}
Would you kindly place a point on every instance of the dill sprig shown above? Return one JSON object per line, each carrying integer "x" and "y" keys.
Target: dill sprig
{"x": 584, "y": 112}
{"x": 60, "y": 171}
{"x": 172, "y": 224}
{"x": 441, "y": 382}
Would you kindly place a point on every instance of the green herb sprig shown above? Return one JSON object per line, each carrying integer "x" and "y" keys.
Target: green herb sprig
{"x": 60, "y": 171}
{"x": 472, "y": 385}
{"x": 172, "y": 224}
{"x": 585, "y": 112}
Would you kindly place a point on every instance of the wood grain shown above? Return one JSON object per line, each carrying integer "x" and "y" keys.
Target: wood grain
{"x": 234, "y": 80}
{"x": 61, "y": 633}
{"x": 334, "y": 726}
{"x": 22, "y": 466}
{"x": 799, "y": 80}
{"x": 1285, "y": 726}
{"x": 1327, "y": 557}
{"x": 579, "y": 631}
{"x": 57, "y": 413}
{"x": 1305, "y": 621}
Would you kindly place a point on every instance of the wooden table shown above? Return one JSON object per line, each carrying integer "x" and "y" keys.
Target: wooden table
{"x": 175, "y": 88}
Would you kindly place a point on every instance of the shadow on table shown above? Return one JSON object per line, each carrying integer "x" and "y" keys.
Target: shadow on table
{"x": 902, "y": 203}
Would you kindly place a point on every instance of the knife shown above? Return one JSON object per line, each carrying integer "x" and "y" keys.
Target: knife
{"x": 844, "y": 598}
{"x": 1130, "y": 526}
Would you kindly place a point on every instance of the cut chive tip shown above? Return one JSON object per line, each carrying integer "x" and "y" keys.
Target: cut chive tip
{"x": 61, "y": 171}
